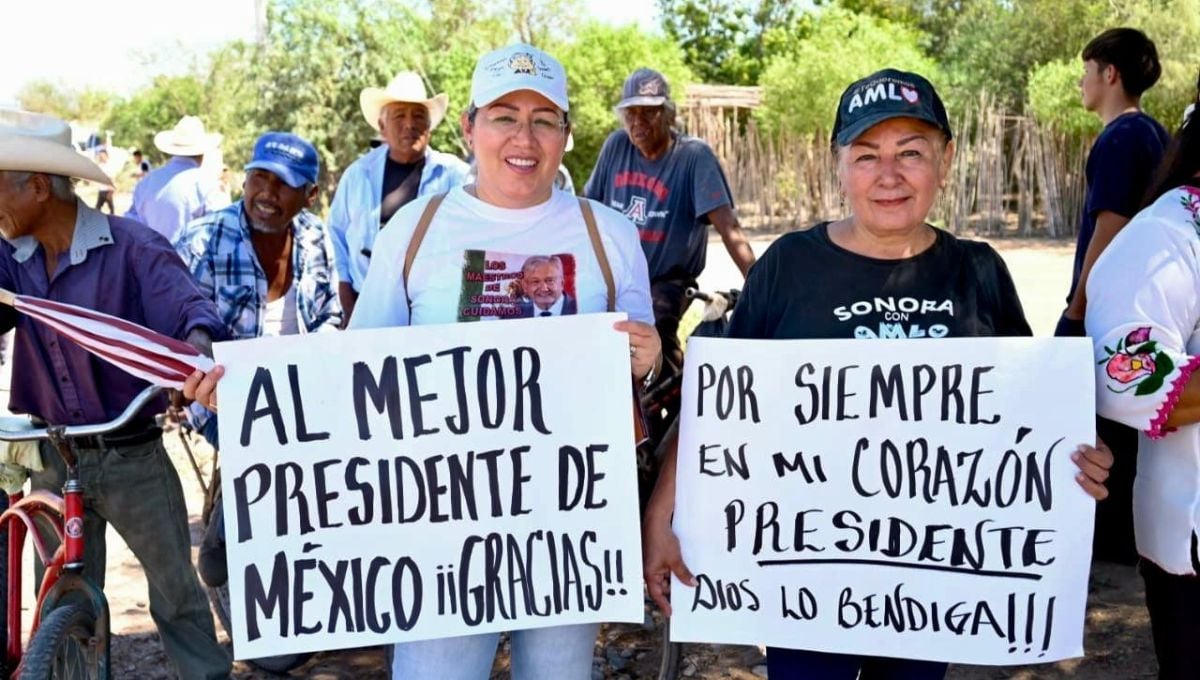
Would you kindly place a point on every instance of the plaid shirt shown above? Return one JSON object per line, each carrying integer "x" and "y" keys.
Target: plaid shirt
{"x": 218, "y": 251}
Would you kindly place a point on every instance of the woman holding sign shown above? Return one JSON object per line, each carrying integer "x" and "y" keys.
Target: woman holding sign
{"x": 1144, "y": 314}
{"x": 847, "y": 279}
{"x": 508, "y": 246}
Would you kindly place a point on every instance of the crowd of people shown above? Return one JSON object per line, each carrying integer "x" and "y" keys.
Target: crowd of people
{"x": 187, "y": 264}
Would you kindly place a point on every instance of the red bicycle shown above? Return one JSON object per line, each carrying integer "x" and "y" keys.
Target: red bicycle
{"x": 69, "y": 637}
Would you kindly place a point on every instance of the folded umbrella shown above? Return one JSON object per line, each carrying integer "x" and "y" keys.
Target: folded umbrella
{"x": 146, "y": 354}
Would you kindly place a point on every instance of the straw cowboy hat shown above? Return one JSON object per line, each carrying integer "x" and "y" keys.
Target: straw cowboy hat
{"x": 33, "y": 142}
{"x": 187, "y": 138}
{"x": 405, "y": 87}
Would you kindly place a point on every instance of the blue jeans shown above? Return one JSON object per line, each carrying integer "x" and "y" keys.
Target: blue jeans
{"x": 559, "y": 652}
{"x": 800, "y": 664}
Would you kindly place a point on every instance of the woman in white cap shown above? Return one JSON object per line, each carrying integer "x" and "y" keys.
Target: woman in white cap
{"x": 517, "y": 125}
{"x": 893, "y": 154}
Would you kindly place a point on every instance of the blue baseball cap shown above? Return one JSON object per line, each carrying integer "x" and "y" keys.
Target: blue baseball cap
{"x": 290, "y": 157}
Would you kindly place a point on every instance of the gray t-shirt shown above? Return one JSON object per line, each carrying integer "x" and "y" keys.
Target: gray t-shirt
{"x": 667, "y": 199}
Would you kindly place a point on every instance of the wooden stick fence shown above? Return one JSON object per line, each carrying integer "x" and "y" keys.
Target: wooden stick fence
{"x": 1011, "y": 176}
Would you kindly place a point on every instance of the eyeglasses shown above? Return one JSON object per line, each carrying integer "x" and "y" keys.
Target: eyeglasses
{"x": 544, "y": 128}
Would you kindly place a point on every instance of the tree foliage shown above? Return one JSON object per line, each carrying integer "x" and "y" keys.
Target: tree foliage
{"x": 726, "y": 41}
{"x": 802, "y": 86}
{"x": 89, "y": 105}
{"x": 597, "y": 63}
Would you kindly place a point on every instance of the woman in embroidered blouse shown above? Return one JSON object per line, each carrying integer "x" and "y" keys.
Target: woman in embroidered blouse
{"x": 1144, "y": 315}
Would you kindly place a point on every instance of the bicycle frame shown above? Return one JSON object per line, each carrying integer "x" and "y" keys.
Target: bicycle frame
{"x": 64, "y": 515}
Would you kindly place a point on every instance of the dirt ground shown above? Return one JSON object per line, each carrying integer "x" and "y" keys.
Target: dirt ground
{"x": 1117, "y": 639}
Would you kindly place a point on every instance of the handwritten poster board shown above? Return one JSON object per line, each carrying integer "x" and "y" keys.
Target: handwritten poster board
{"x": 405, "y": 484}
{"x": 903, "y": 498}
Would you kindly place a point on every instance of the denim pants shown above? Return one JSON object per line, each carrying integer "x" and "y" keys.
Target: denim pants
{"x": 559, "y": 652}
{"x": 137, "y": 489}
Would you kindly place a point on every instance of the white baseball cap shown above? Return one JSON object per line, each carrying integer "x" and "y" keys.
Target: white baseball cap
{"x": 518, "y": 67}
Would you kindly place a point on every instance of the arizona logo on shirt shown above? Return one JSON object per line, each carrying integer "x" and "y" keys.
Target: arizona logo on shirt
{"x": 636, "y": 212}
{"x": 510, "y": 286}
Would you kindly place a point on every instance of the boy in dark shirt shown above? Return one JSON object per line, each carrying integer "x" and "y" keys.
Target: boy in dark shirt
{"x": 1119, "y": 66}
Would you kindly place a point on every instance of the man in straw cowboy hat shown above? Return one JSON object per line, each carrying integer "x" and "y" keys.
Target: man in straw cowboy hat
{"x": 376, "y": 185}
{"x": 180, "y": 191}
{"x": 56, "y": 247}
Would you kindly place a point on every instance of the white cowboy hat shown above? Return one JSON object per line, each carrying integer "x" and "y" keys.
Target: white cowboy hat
{"x": 405, "y": 87}
{"x": 33, "y": 142}
{"x": 187, "y": 138}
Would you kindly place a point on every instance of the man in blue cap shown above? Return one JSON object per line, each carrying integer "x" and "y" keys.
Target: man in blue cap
{"x": 266, "y": 261}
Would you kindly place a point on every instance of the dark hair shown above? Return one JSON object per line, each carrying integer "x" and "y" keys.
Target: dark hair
{"x": 136, "y": 152}
{"x": 1181, "y": 161}
{"x": 1130, "y": 52}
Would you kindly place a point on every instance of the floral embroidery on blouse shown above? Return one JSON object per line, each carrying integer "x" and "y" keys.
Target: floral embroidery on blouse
{"x": 1191, "y": 203}
{"x": 1137, "y": 363}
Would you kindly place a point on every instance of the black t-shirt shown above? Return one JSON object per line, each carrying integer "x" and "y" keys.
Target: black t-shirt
{"x": 807, "y": 287}
{"x": 401, "y": 181}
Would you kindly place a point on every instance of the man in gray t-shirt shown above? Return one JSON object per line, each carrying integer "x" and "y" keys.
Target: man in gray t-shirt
{"x": 672, "y": 187}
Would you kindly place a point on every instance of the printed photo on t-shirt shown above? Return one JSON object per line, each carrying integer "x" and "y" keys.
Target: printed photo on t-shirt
{"x": 510, "y": 286}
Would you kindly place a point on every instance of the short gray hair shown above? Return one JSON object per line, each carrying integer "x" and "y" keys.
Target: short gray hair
{"x": 537, "y": 260}
{"x": 61, "y": 187}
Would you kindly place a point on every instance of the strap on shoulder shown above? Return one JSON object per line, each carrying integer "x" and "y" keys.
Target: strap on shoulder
{"x": 589, "y": 218}
{"x": 414, "y": 245}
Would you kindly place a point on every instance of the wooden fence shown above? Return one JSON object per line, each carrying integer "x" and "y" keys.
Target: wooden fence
{"x": 1011, "y": 176}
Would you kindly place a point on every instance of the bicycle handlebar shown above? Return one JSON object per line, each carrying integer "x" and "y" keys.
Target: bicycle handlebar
{"x": 22, "y": 428}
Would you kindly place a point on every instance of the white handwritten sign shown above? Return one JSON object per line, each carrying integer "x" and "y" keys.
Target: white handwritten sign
{"x": 902, "y": 498}
{"x": 404, "y": 484}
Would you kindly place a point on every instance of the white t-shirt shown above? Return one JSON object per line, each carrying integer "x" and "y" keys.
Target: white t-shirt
{"x": 281, "y": 316}
{"x": 474, "y": 260}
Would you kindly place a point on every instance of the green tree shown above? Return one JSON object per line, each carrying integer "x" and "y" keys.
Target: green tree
{"x": 1054, "y": 98}
{"x": 801, "y": 87}
{"x": 597, "y": 63}
{"x": 89, "y": 105}
{"x": 44, "y": 96}
{"x": 726, "y": 41}
{"x": 158, "y": 106}
{"x": 997, "y": 44}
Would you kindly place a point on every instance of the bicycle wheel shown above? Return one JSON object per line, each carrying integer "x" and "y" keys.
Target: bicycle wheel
{"x": 283, "y": 663}
{"x": 64, "y": 646}
{"x": 4, "y": 669}
{"x": 672, "y": 654}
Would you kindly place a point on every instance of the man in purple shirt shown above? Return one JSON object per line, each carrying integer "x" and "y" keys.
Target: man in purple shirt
{"x": 180, "y": 191}
{"x": 57, "y": 248}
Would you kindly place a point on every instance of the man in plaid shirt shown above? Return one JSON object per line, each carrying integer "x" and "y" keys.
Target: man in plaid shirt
{"x": 267, "y": 263}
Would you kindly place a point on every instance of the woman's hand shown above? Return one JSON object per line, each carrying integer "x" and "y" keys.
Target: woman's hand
{"x": 201, "y": 387}
{"x": 1094, "y": 464}
{"x": 662, "y": 557}
{"x": 644, "y": 346}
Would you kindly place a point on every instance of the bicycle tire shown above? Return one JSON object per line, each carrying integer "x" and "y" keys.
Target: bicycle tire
{"x": 672, "y": 654}
{"x": 280, "y": 664}
{"x": 4, "y": 669}
{"x": 67, "y": 635}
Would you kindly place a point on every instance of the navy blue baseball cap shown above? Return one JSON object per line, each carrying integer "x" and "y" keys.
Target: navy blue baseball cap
{"x": 290, "y": 157}
{"x": 883, "y": 95}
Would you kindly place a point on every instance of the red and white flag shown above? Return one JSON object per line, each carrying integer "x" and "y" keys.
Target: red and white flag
{"x": 151, "y": 356}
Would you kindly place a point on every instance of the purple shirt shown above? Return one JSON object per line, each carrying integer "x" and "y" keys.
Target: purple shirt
{"x": 115, "y": 266}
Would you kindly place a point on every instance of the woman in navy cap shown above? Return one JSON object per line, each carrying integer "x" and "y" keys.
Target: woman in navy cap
{"x": 894, "y": 147}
